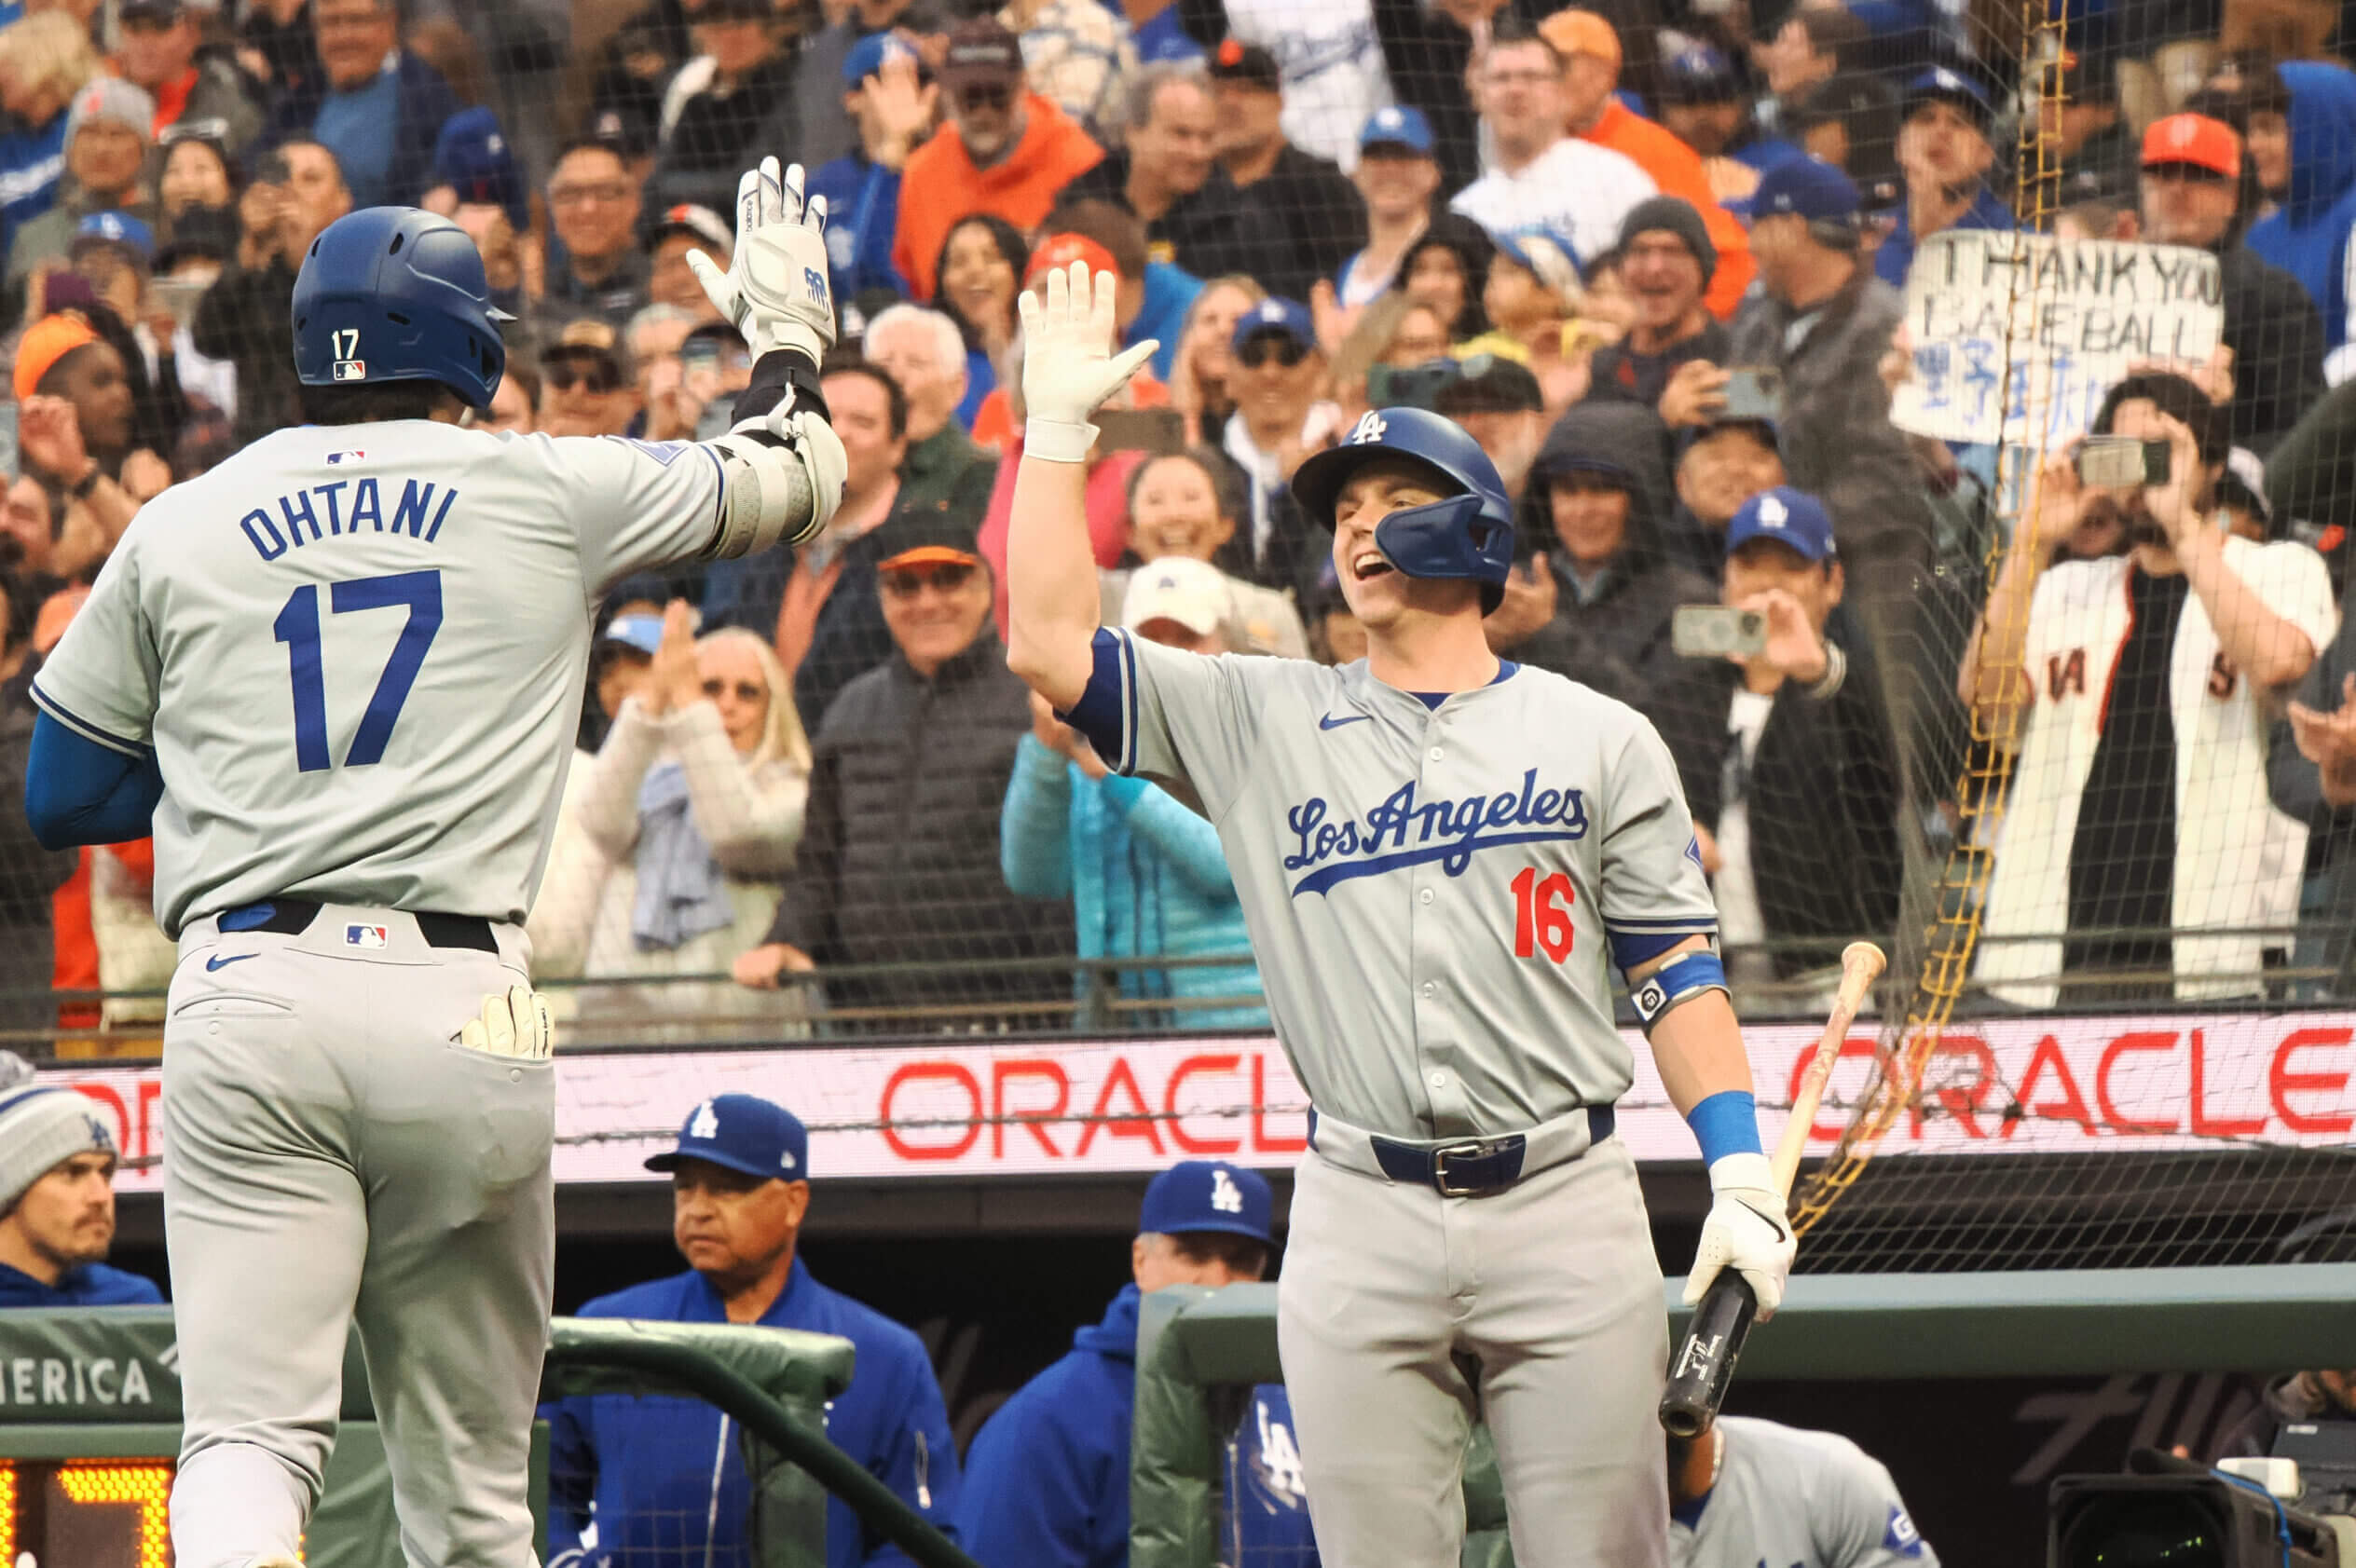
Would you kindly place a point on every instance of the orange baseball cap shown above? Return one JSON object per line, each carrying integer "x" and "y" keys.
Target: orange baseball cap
{"x": 46, "y": 342}
{"x": 1060, "y": 251}
{"x": 2196, "y": 140}
{"x": 1581, "y": 32}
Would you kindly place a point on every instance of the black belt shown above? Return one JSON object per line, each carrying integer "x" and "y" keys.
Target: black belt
{"x": 1476, "y": 1167}
{"x": 291, "y": 916}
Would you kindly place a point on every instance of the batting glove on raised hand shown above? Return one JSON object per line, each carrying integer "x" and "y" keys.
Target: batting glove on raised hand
{"x": 1746, "y": 1230}
{"x": 775, "y": 287}
{"x": 1068, "y": 364}
{"x": 515, "y": 1022}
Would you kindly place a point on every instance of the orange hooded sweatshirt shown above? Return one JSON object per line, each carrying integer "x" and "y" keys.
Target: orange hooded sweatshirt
{"x": 940, "y": 185}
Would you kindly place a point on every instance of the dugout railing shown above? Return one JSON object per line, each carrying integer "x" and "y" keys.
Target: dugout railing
{"x": 1193, "y": 1341}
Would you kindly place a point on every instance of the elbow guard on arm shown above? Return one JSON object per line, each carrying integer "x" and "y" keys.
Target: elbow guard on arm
{"x": 783, "y": 464}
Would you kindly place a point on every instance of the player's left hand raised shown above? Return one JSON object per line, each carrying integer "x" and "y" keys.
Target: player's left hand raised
{"x": 775, "y": 287}
{"x": 1746, "y": 1230}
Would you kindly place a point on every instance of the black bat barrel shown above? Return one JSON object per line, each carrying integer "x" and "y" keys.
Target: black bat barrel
{"x": 1705, "y": 1362}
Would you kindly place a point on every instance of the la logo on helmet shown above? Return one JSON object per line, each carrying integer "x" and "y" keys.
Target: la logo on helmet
{"x": 1772, "y": 513}
{"x": 1226, "y": 1196}
{"x": 1370, "y": 428}
{"x": 706, "y": 1123}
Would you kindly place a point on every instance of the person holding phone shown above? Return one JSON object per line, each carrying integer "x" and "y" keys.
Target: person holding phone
{"x": 297, "y": 190}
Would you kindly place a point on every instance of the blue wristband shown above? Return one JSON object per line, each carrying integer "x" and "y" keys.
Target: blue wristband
{"x": 1680, "y": 979}
{"x": 1726, "y": 1123}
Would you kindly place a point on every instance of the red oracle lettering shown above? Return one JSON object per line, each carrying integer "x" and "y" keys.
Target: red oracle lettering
{"x": 1964, "y": 1103}
{"x": 2197, "y": 1100}
{"x": 2071, "y": 1107}
{"x": 1140, "y": 1124}
{"x": 1178, "y": 1134}
{"x": 1263, "y": 1140}
{"x": 2065, "y": 677}
{"x": 916, "y": 1072}
{"x": 1819, "y": 1130}
{"x": 1541, "y": 915}
{"x": 151, "y": 1094}
{"x": 2281, "y": 1083}
{"x": 2113, "y": 1118}
{"x": 1031, "y": 1118}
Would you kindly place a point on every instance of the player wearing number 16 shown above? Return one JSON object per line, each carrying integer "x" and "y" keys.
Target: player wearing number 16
{"x": 1440, "y": 857}
{"x": 341, "y": 673}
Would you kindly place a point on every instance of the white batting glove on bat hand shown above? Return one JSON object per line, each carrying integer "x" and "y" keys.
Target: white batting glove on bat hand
{"x": 775, "y": 287}
{"x": 1746, "y": 1230}
{"x": 515, "y": 1022}
{"x": 1068, "y": 364}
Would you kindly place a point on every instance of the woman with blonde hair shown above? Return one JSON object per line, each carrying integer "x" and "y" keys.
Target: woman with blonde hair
{"x": 44, "y": 59}
{"x": 1198, "y": 374}
{"x": 697, "y": 800}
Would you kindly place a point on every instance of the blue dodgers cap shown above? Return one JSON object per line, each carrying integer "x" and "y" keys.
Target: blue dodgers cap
{"x": 1287, "y": 316}
{"x": 1803, "y": 188}
{"x": 744, "y": 1133}
{"x": 117, "y": 228}
{"x": 641, "y": 631}
{"x": 1523, "y": 248}
{"x": 1789, "y": 517}
{"x": 1951, "y": 87}
{"x": 472, "y": 156}
{"x": 866, "y": 57}
{"x": 1698, "y": 73}
{"x": 1208, "y": 1195}
{"x": 1395, "y": 127}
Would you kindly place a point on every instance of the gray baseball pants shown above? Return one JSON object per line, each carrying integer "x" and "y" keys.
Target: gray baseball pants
{"x": 1400, "y": 1312}
{"x": 334, "y": 1157}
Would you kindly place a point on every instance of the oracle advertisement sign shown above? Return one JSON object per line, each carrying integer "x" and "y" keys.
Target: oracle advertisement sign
{"x": 1035, "y": 1108}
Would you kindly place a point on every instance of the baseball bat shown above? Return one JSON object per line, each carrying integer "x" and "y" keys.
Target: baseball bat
{"x": 1705, "y": 1361}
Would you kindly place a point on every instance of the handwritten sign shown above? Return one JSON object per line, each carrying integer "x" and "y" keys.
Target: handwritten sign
{"x": 2066, "y": 318}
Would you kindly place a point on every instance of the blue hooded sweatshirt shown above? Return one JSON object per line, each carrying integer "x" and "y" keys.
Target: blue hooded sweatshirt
{"x": 668, "y": 1476}
{"x": 91, "y": 1285}
{"x": 1047, "y": 1479}
{"x": 2308, "y": 238}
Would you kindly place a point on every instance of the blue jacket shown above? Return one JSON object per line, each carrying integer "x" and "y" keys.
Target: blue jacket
{"x": 2308, "y": 238}
{"x": 1145, "y": 875}
{"x": 863, "y": 206}
{"x": 32, "y": 161}
{"x": 91, "y": 1285}
{"x": 657, "y": 1468}
{"x": 1049, "y": 1474}
{"x": 425, "y": 101}
{"x": 1897, "y": 252}
{"x": 1170, "y": 294}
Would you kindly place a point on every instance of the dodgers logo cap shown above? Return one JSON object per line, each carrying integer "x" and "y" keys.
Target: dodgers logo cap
{"x": 1277, "y": 315}
{"x": 1789, "y": 516}
{"x": 744, "y": 1133}
{"x": 1208, "y": 1195}
{"x": 1392, "y": 125}
{"x": 1803, "y": 188}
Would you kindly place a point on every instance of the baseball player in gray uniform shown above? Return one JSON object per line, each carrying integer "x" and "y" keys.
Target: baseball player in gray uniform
{"x": 342, "y": 672}
{"x": 1750, "y": 1493}
{"x": 1439, "y": 856}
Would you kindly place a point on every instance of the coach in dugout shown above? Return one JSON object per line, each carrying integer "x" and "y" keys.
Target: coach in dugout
{"x": 660, "y": 1482}
{"x": 1048, "y": 1476}
{"x": 57, "y": 1199}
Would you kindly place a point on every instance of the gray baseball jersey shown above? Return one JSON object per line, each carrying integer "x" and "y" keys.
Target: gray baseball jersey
{"x": 1791, "y": 1499}
{"x": 358, "y": 654}
{"x": 1433, "y": 892}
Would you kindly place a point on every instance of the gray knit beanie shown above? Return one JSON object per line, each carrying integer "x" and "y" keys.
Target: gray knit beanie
{"x": 1674, "y": 215}
{"x": 41, "y": 1127}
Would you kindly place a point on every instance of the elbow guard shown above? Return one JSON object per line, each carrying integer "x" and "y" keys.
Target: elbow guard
{"x": 783, "y": 474}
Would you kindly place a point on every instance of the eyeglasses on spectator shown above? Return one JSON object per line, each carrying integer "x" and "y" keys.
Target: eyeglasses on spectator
{"x": 1286, "y": 350}
{"x": 565, "y": 375}
{"x": 946, "y": 576}
{"x": 746, "y": 692}
{"x": 985, "y": 95}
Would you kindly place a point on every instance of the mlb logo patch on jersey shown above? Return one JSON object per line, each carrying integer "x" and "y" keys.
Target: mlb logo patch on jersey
{"x": 366, "y": 936}
{"x": 335, "y": 458}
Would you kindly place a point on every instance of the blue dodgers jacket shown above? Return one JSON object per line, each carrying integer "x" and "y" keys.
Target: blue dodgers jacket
{"x": 2308, "y": 236}
{"x": 1145, "y": 877}
{"x": 863, "y": 204}
{"x": 1048, "y": 1475}
{"x": 1896, "y": 253}
{"x": 91, "y": 1285}
{"x": 667, "y": 1476}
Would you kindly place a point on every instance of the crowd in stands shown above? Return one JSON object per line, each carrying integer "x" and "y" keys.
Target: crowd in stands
{"x": 1652, "y": 254}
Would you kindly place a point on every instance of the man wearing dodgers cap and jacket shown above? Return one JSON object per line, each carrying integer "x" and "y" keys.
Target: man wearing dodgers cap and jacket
{"x": 1048, "y": 1476}
{"x": 57, "y": 1199}
{"x": 660, "y": 1482}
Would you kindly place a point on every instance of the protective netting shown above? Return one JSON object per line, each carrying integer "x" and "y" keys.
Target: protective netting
{"x": 2062, "y": 722}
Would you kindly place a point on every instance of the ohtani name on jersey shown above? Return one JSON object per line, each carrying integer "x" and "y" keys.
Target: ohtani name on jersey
{"x": 348, "y": 506}
{"x": 1404, "y": 831}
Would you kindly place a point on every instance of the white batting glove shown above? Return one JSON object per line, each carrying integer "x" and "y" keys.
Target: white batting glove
{"x": 515, "y": 1022}
{"x": 1747, "y": 1230}
{"x": 1068, "y": 364}
{"x": 775, "y": 287}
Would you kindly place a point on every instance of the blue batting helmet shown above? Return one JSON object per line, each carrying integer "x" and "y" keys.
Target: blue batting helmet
{"x": 394, "y": 294}
{"x": 1470, "y": 534}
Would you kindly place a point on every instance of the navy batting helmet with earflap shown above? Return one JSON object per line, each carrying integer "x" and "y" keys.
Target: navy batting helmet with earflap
{"x": 1470, "y": 534}
{"x": 394, "y": 293}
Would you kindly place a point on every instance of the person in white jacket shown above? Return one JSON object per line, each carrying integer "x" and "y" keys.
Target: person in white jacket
{"x": 695, "y": 801}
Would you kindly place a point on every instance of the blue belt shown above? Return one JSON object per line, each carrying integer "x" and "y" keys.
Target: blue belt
{"x": 1475, "y": 1167}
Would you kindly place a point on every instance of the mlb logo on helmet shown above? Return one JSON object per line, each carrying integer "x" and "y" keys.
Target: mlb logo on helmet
{"x": 351, "y": 370}
{"x": 366, "y": 936}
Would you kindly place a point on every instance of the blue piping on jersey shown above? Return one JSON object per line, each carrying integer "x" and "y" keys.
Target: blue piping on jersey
{"x": 79, "y": 792}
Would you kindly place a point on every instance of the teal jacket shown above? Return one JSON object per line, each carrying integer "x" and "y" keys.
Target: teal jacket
{"x": 1145, "y": 875}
